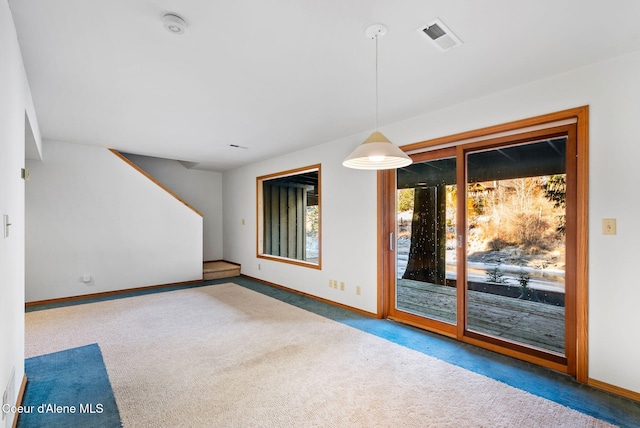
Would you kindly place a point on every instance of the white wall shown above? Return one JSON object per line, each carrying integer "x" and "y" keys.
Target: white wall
{"x": 15, "y": 101}
{"x": 200, "y": 189}
{"x": 90, "y": 213}
{"x": 611, "y": 89}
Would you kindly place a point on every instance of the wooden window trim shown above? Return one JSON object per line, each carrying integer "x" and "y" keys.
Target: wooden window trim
{"x": 259, "y": 216}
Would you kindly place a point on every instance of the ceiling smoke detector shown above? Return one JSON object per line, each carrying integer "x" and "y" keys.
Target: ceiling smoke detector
{"x": 174, "y": 23}
{"x": 438, "y": 34}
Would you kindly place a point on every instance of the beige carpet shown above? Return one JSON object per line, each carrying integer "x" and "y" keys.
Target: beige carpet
{"x": 225, "y": 356}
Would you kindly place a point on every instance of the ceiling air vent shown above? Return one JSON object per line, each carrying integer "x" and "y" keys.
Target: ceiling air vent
{"x": 440, "y": 35}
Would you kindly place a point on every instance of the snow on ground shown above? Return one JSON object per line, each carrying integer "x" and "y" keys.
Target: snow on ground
{"x": 540, "y": 279}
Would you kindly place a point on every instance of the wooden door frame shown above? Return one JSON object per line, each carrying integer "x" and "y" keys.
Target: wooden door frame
{"x": 578, "y": 366}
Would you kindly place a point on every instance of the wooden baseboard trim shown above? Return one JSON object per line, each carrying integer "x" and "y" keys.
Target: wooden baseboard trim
{"x": 632, "y": 395}
{"x": 109, "y": 293}
{"x": 311, "y": 296}
{"x": 23, "y": 387}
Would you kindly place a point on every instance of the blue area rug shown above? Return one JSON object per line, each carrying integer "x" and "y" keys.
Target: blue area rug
{"x": 69, "y": 388}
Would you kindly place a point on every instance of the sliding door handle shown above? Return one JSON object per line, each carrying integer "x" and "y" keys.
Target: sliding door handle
{"x": 391, "y": 243}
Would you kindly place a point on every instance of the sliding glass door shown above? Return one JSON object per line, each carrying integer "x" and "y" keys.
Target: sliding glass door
{"x": 515, "y": 243}
{"x": 426, "y": 222}
{"x": 483, "y": 244}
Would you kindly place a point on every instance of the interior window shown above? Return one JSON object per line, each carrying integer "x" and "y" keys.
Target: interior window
{"x": 289, "y": 216}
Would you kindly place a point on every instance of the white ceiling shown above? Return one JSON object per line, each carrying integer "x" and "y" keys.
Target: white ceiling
{"x": 279, "y": 75}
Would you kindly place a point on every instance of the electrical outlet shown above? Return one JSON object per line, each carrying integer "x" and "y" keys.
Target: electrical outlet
{"x": 341, "y": 285}
{"x": 358, "y": 290}
{"x": 8, "y": 396}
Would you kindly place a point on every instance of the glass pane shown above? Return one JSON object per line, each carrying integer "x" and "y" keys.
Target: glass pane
{"x": 425, "y": 247}
{"x": 289, "y": 216}
{"x": 516, "y": 243}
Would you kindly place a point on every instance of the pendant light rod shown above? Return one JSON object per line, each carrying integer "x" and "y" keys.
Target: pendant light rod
{"x": 376, "y": 37}
{"x": 377, "y": 152}
{"x": 374, "y": 32}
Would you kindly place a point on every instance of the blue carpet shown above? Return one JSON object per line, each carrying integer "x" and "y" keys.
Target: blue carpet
{"x": 69, "y": 389}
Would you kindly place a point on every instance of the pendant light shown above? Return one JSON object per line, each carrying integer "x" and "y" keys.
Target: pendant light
{"x": 377, "y": 152}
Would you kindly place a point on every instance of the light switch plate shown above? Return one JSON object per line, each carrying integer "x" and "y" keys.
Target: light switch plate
{"x": 5, "y": 225}
{"x": 609, "y": 226}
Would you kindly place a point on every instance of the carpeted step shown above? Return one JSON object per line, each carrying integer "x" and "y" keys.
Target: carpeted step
{"x": 217, "y": 270}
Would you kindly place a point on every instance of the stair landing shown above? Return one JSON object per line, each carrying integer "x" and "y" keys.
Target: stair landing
{"x": 217, "y": 270}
